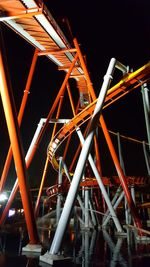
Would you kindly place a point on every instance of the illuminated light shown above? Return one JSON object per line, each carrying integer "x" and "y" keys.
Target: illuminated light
{"x": 3, "y": 197}
{"x": 56, "y": 140}
{"x": 54, "y": 145}
{"x": 27, "y": 36}
{"x": 11, "y": 213}
{"x": 30, "y": 4}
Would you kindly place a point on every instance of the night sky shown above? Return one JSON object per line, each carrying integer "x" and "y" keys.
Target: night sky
{"x": 107, "y": 29}
{"x": 104, "y": 29}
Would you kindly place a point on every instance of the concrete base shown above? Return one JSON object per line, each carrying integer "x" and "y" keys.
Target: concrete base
{"x": 32, "y": 248}
{"x": 50, "y": 259}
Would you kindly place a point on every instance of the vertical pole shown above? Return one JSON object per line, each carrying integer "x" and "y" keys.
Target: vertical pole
{"x": 133, "y": 193}
{"x": 97, "y": 155}
{"x": 57, "y": 115}
{"x": 127, "y": 217}
{"x": 146, "y": 105}
{"x": 112, "y": 202}
{"x": 86, "y": 249}
{"x": 110, "y": 144}
{"x": 121, "y": 175}
{"x": 15, "y": 188}
{"x": 127, "y": 210}
{"x": 146, "y": 158}
{"x": 86, "y": 198}
{"x": 78, "y": 196}
{"x": 13, "y": 129}
{"x": 98, "y": 165}
{"x": 47, "y": 161}
{"x": 120, "y": 153}
{"x": 81, "y": 163}
{"x": 93, "y": 216}
{"x": 74, "y": 112}
{"x": 114, "y": 207}
{"x": 36, "y": 210}
{"x": 58, "y": 205}
{"x": 20, "y": 116}
{"x": 102, "y": 187}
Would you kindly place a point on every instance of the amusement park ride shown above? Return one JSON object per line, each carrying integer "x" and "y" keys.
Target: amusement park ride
{"x": 82, "y": 182}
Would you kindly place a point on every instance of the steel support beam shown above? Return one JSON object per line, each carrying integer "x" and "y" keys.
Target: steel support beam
{"x": 17, "y": 149}
{"x": 55, "y": 246}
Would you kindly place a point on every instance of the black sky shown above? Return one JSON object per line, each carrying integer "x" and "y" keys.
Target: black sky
{"x": 104, "y": 29}
{"x": 107, "y": 29}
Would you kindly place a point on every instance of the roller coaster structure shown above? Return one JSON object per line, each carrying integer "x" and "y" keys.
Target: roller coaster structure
{"x": 34, "y": 23}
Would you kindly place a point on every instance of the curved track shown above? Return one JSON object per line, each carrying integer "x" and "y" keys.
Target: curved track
{"x": 126, "y": 85}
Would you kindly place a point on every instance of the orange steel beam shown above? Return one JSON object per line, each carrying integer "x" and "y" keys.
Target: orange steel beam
{"x": 73, "y": 111}
{"x": 36, "y": 211}
{"x": 13, "y": 129}
{"x": 15, "y": 188}
{"x": 61, "y": 91}
{"x": 57, "y": 115}
{"x": 120, "y": 174}
{"x": 67, "y": 67}
{"x": 23, "y": 14}
{"x": 68, "y": 142}
{"x": 56, "y": 51}
{"x": 47, "y": 161}
{"x": 92, "y": 183}
{"x": 110, "y": 145}
{"x": 131, "y": 81}
{"x": 71, "y": 99}
{"x": 20, "y": 116}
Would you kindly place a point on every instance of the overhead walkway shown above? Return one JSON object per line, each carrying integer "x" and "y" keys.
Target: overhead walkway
{"x": 33, "y": 22}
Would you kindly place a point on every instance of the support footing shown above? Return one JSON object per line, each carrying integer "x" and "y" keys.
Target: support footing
{"x": 50, "y": 259}
{"x": 32, "y": 248}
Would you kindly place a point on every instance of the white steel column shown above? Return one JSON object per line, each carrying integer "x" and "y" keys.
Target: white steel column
{"x": 78, "y": 196}
{"x": 119, "y": 189}
{"x": 93, "y": 216}
{"x": 86, "y": 201}
{"x": 114, "y": 208}
{"x": 146, "y": 109}
{"x": 55, "y": 246}
{"x": 102, "y": 187}
{"x": 58, "y": 206}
